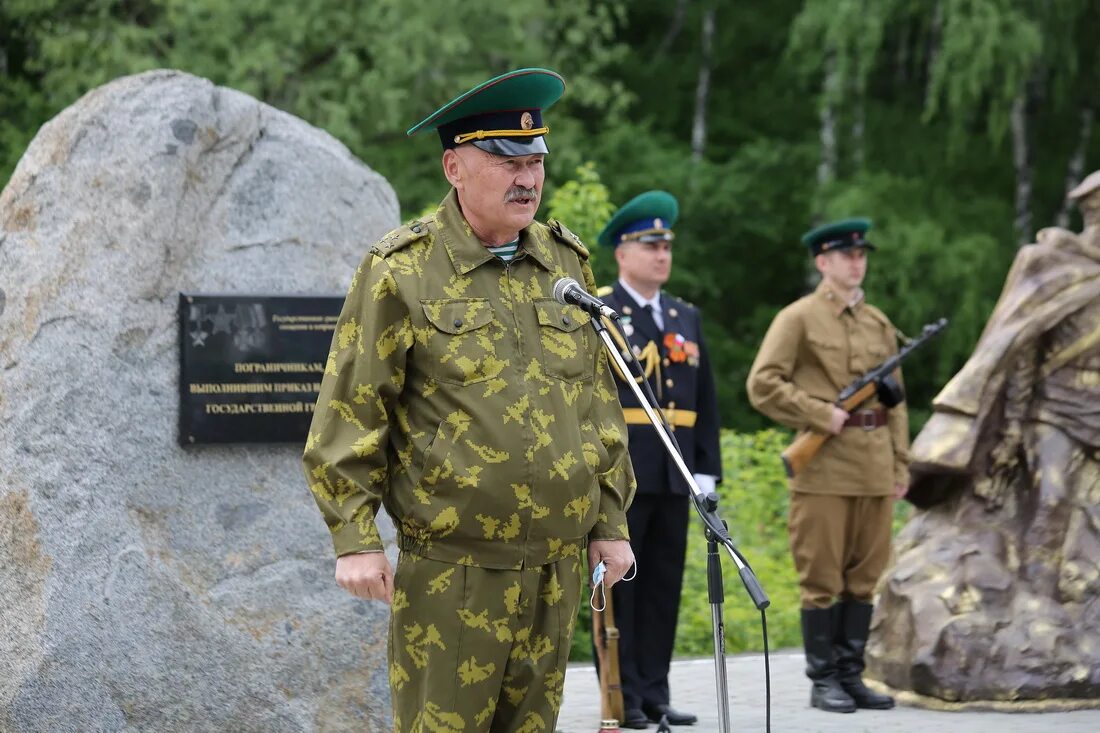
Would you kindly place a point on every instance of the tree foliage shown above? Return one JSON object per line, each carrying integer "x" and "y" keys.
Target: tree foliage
{"x": 920, "y": 92}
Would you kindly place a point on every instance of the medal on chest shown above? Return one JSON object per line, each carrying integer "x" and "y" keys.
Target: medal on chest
{"x": 680, "y": 349}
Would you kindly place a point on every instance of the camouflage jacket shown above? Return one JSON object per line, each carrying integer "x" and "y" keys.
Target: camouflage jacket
{"x": 481, "y": 412}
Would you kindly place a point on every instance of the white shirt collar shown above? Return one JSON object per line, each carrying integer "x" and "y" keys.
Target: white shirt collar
{"x": 654, "y": 302}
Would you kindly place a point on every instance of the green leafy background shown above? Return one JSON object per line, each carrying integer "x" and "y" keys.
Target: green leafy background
{"x": 930, "y": 118}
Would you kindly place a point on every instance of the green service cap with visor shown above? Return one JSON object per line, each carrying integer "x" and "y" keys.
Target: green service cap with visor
{"x": 648, "y": 217}
{"x": 838, "y": 235}
{"x": 502, "y": 116}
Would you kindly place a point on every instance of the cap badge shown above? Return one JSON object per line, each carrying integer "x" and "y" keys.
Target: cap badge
{"x": 526, "y": 121}
{"x": 658, "y": 224}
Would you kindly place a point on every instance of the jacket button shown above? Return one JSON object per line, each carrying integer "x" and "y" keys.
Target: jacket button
{"x": 668, "y": 382}
{"x": 565, "y": 320}
{"x": 666, "y": 362}
{"x": 458, "y": 323}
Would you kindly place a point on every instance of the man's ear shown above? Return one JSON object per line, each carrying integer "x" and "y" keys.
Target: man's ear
{"x": 819, "y": 262}
{"x": 452, "y": 167}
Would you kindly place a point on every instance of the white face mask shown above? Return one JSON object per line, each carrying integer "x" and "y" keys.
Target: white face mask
{"x": 597, "y": 585}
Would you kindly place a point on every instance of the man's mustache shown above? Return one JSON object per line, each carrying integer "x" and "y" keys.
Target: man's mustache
{"x": 518, "y": 192}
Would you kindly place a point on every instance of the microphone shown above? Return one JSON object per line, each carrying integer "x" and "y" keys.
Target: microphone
{"x": 568, "y": 291}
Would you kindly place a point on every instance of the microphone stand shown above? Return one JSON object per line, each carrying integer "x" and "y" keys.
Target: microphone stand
{"x": 706, "y": 504}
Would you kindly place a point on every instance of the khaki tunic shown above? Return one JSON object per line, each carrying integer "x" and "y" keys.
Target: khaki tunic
{"x": 478, "y": 409}
{"x": 813, "y": 349}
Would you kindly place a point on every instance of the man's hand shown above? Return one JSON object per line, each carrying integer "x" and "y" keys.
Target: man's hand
{"x": 836, "y": 422}
{"x": 617, "y": 557}
{"x": 900, "y": 490}
{"x": 367, "y": 575}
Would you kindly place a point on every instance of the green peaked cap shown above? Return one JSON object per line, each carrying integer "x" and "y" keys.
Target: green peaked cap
{"x": 842, "y": 234}
{"x": 521, "y": 89}
{"x": 657, "y": 210}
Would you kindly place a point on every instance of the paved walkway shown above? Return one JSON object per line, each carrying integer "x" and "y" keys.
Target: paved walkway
{"x": 693, "y": 687}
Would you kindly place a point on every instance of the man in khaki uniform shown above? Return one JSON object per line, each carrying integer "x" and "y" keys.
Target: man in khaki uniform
{"x": 842, "y": 503}
{"x": 483, "y": 415}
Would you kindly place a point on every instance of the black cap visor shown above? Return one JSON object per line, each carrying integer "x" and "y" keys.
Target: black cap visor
{"x": 842, "y": 245}
{"x": 513, "y": 146}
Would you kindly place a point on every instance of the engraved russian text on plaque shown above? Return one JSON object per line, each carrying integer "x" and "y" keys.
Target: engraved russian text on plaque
{"x": 251, "y": 365}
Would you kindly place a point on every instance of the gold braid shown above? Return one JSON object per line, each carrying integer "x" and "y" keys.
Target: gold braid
{"x": 650, "y": 358}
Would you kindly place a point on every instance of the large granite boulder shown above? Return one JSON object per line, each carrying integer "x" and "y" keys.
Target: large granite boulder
{"x": 143, "y": 586}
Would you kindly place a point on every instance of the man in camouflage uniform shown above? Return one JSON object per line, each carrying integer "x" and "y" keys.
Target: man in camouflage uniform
{"x": 841, "y": 505}
{"x": 483, "y": 415}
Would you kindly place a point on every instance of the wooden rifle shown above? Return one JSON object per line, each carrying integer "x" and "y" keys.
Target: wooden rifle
{"x": 606, "y": 637}
{"x": 877, "y": 381}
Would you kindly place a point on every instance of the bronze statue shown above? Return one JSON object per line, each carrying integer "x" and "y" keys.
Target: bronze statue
{"x": 995, "y": 594}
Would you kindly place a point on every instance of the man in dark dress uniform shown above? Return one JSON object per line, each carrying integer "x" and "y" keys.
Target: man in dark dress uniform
{"x": 666, "y": 335}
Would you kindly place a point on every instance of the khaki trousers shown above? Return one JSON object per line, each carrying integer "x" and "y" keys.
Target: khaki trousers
{"x": 478, "y": 650}
{"x": 840, "y": 545}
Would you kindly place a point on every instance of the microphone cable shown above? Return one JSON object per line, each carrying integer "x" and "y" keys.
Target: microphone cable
{"x": 632, "y": 359}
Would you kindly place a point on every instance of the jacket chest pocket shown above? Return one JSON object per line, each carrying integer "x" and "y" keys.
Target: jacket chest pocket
{"x": 461, "y": 340}
{"x": 832, "y": 353}
{"x": 869, "y": 358}
{"x": 565, "y": 339}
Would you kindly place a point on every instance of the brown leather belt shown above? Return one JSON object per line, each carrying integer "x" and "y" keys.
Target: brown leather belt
{"x": 867, "y": 419}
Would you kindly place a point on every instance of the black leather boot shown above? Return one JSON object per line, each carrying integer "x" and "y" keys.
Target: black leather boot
{"x": 818, "y": 632}
{"x": 851, "y": 640}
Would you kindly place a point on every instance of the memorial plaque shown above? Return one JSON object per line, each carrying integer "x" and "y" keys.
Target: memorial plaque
{"x": 251, "y": 365}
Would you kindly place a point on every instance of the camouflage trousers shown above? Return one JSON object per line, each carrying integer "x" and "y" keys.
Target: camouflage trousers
{"x": 478, "y": 650}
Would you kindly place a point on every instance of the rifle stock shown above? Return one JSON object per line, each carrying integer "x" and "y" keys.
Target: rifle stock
{"x": 809, "y": 442}
{"x": 606, "y": 637}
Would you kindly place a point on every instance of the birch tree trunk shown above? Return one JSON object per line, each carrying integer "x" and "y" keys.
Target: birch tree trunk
{"x": 826, "y": 167}
{"x": 1022, "y": 163}
{"x": 674, "y": 28}
{"x": 702, "y": 90}
{"x": 858, "y": 123}
{"x": 1075, "y": 169}
{"x": 935, "y": 33}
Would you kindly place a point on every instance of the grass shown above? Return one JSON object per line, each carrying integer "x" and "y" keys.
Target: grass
{"x": 753, "y": 501}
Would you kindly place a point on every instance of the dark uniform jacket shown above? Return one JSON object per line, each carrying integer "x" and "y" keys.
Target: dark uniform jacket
{"x": 681, "y": 378}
